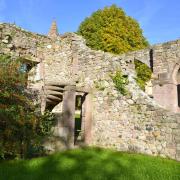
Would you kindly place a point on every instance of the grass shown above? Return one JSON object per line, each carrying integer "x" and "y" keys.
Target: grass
{"x": 91, "y": 164}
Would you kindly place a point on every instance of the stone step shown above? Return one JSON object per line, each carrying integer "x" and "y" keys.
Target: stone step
{"x": 54, "y": 97}
{"x": 51, "y": 92}
{"x": 51, "y": 101}
{"x": 56, "y": 88}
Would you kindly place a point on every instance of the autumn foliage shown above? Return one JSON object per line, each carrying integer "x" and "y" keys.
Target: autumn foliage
{"x": 21, "y": 125}
{"x": 111, "y": 30}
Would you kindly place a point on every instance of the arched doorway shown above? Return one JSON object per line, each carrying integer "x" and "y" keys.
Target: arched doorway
{"x": 166, "y": 89}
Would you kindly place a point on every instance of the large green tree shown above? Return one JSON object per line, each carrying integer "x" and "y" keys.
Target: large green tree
{"x": 111, "y": 30}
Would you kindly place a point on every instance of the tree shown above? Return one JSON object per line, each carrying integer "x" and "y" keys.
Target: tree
{"x": 21, "y": 125}
{"x": 111, "y": 30}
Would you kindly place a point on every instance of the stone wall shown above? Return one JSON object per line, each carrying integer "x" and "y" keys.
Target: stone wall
{"x": 164, "y": 60}
{"x": 20, "y": 43}
{"x": 132, "y": 123}
{"x": 166, "y": 63}
{"x": 127, "y": 123}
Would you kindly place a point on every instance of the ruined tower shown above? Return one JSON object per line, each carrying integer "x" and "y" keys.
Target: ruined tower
{"x": 53, "y": 32}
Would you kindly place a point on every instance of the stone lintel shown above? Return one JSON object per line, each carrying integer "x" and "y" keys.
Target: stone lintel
{"x": 51, "y": 83}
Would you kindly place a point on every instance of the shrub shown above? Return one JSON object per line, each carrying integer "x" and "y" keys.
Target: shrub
{"x": 22, "y": 126}
{"x": 143, "y": 74}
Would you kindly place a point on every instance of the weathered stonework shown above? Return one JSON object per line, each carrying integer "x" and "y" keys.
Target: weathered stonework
{"x": 65, "y": 67}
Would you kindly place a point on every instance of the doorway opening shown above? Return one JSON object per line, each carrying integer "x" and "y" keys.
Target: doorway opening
{"x": 178, "y": 94}
{"x": 78, "y": 120}
{"x": 178, "y": 87}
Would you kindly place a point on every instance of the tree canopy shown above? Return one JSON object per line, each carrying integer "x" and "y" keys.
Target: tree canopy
{"x": 111, "y": 30}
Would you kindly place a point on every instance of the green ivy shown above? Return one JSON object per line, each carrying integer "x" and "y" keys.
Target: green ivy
{"x": 120, "y": 82}
{"x": 143, "y": 74}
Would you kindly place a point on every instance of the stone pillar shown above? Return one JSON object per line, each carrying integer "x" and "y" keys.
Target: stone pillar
{"x": 42, "y": 77}
{"x": 69, "y": 113}
{"x": 88, "y": 119}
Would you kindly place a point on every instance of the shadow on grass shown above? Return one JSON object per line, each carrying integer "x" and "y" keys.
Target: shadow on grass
{"x": 91, "y": 164}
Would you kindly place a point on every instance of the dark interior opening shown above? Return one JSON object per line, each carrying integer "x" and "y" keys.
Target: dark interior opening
{"x": 50, "y": 107}
{"x": 26, "y": 66}
{"x": 151, "y": 59}
{"x": 178, "y": 87}
{"x": 78, "y": 120}
{"x": 178, "y": 94}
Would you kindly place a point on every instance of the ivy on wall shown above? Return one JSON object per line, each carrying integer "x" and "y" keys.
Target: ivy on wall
{"x": 120, "y": 81}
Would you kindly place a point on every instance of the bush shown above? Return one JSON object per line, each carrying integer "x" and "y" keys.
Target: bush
{"x": 120, "y": 82}
{"x": 143, "y": 74}
{"x": 22, "y": 126}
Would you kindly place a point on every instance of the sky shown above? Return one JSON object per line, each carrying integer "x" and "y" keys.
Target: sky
{"x": 159, "y": 19}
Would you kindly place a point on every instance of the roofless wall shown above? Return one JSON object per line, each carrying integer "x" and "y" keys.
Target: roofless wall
{"x": 134, "y": 122}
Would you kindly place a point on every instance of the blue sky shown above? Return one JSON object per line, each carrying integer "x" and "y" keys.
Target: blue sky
{"x": 160, "y": 19}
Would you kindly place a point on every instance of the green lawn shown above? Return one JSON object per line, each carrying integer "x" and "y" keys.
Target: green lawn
{"x": 91, "y": 163}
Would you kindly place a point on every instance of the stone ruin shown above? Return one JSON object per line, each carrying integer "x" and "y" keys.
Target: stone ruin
{"x": 65, "y": 72}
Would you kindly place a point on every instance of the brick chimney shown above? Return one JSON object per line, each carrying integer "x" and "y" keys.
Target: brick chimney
{"x": 53, "y": 32}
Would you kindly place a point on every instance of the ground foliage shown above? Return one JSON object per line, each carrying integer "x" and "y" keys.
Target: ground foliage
{"x": 111, "y": 30}
{"x": 92, "y": 164}
{"x": 22, "y": 126}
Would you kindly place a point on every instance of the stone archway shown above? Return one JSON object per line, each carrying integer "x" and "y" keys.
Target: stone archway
{"x": 176, "y": 82}
{"x": 166, "y": 89}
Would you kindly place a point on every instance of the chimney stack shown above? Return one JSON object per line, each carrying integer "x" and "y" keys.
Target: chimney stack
{"x": 53, "y": 32}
